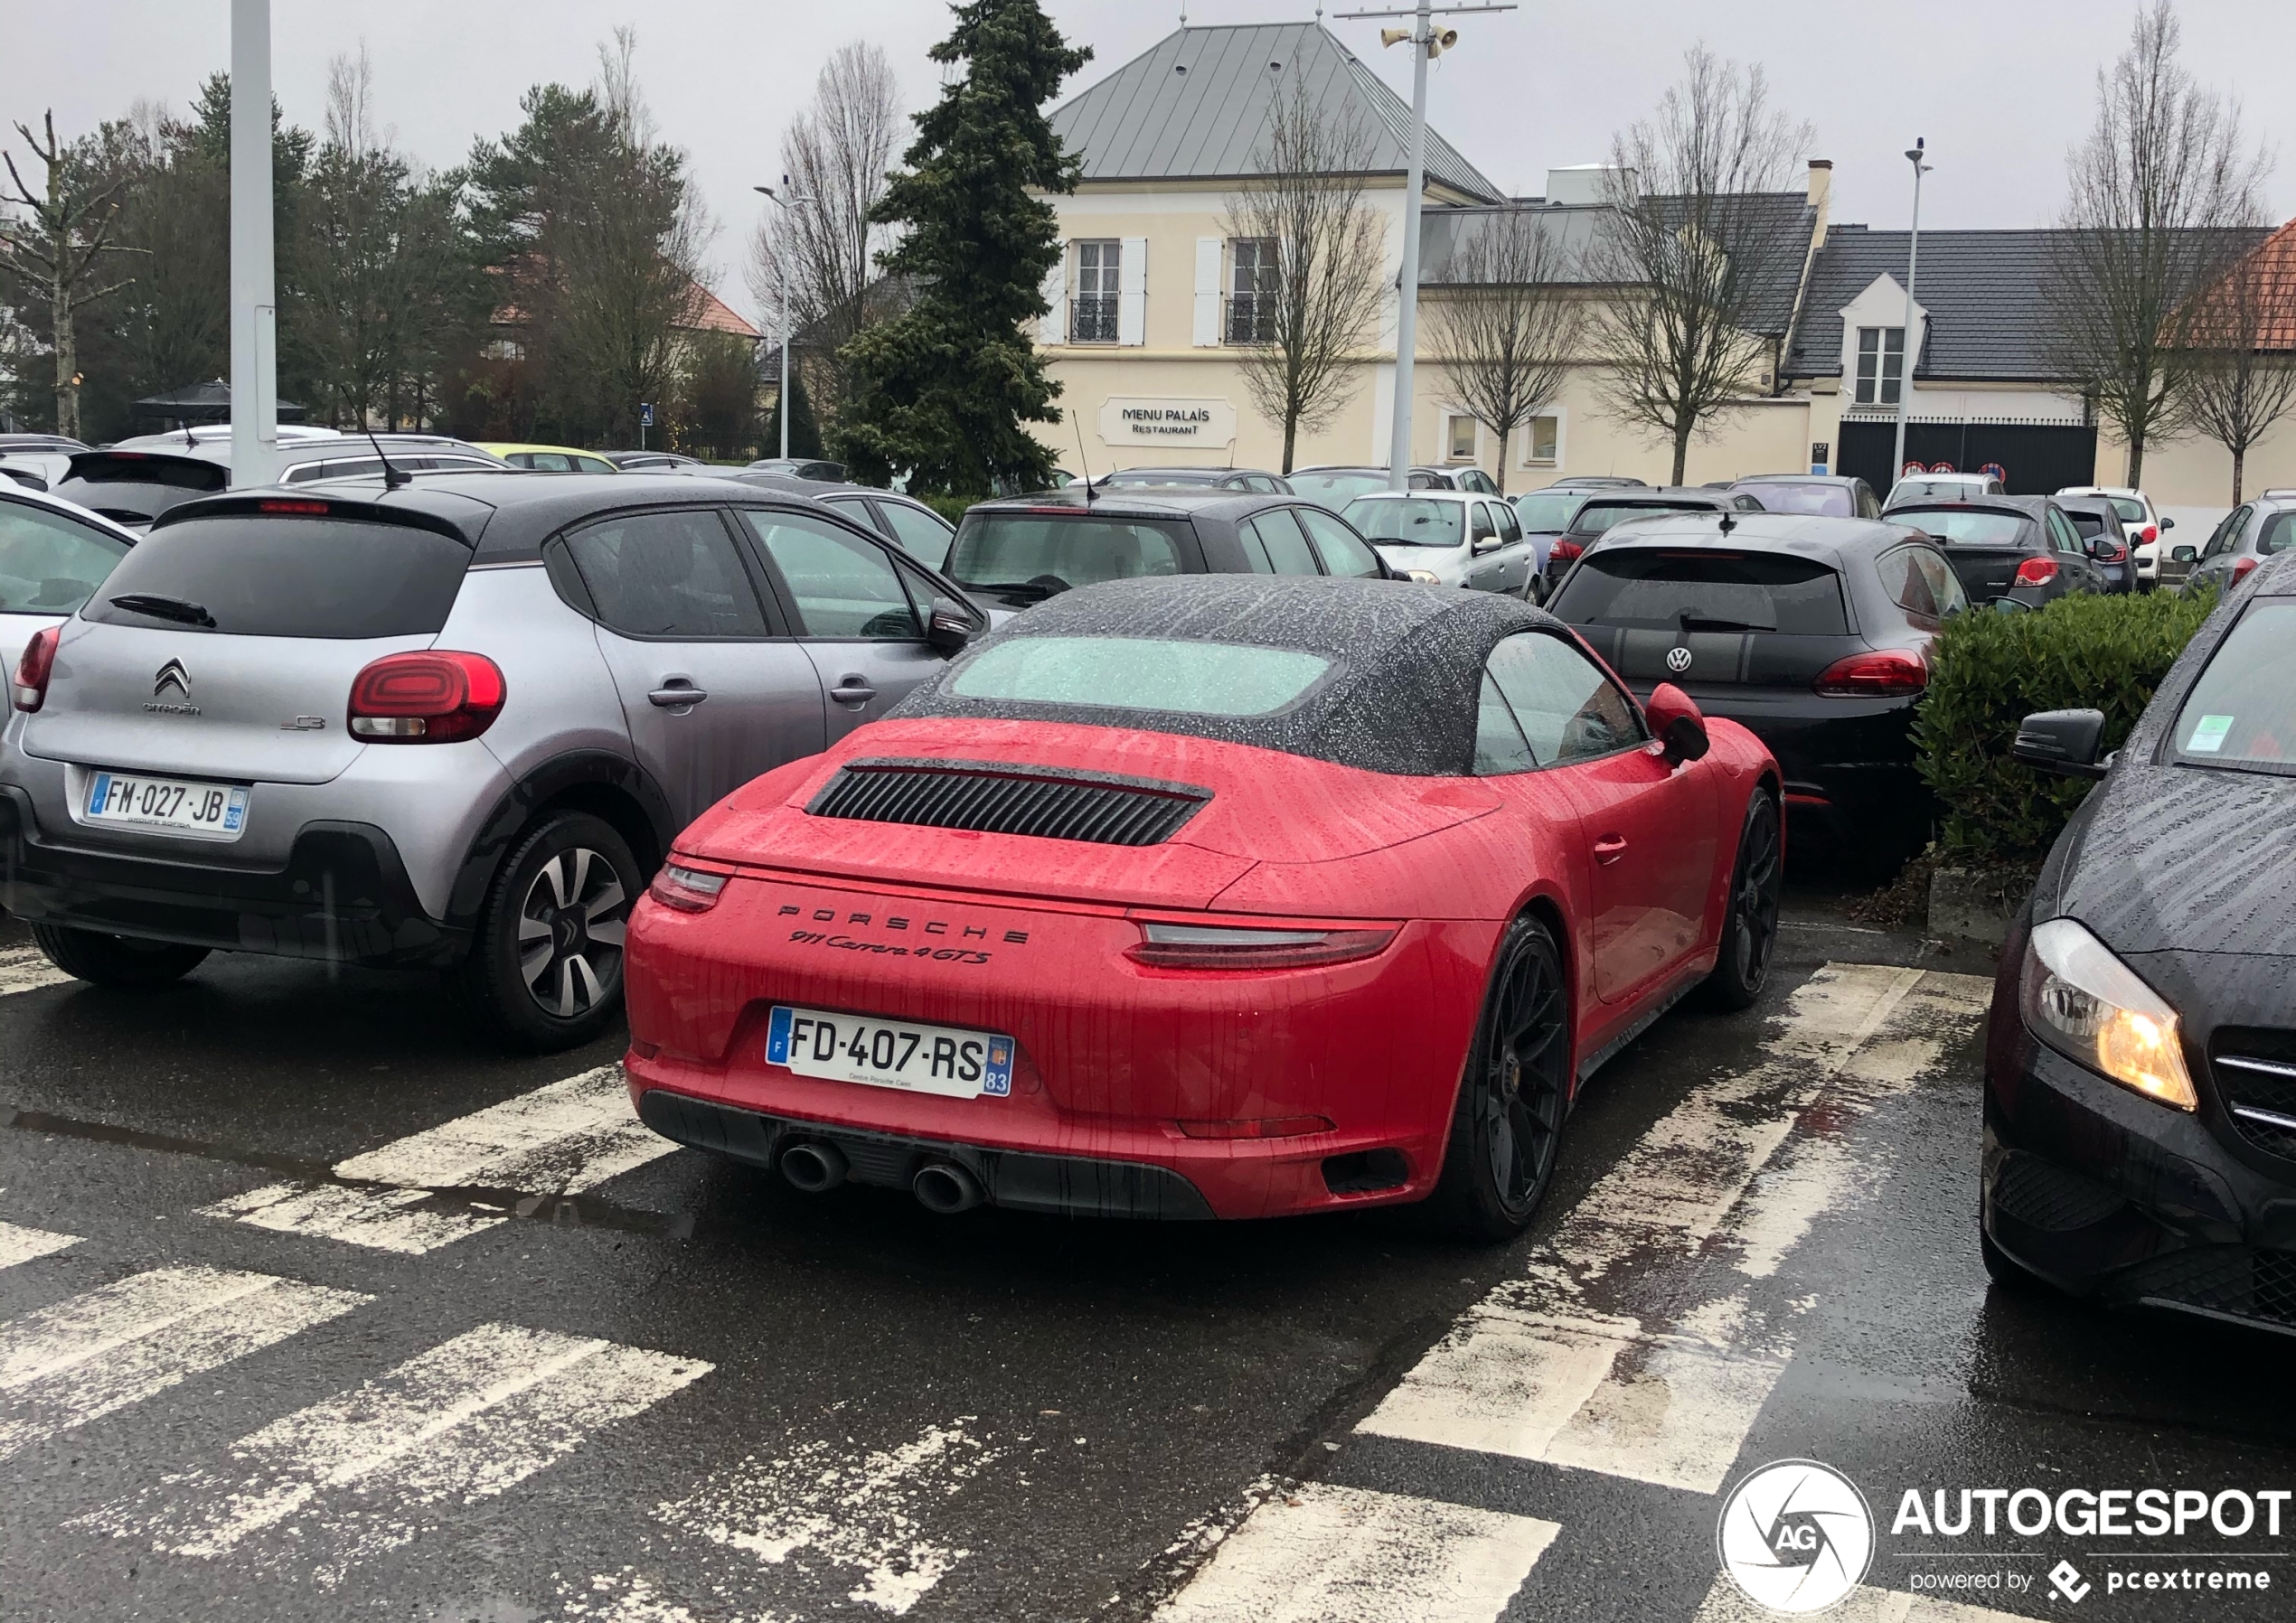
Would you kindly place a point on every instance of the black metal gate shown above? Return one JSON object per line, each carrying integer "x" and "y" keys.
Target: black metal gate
{"x": 2034, "y": 458}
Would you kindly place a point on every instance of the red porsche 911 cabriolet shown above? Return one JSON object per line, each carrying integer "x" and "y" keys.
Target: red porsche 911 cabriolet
{"x": 1216, "y": 896}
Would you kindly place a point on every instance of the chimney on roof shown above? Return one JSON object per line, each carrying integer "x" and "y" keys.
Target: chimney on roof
{"x": 1820, "y": 184}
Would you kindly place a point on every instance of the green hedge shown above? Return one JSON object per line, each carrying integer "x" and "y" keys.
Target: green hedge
{"x": 1989, "y": 671}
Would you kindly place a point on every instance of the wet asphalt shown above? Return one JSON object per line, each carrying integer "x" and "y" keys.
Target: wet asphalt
{"x": 1101, "y": 1394}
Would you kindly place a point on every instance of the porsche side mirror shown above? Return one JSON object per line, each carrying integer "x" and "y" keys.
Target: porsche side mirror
{"x": 2063, "y": 742}
{"x": 1681, "y": 730}
{"x": 947, "y": 633}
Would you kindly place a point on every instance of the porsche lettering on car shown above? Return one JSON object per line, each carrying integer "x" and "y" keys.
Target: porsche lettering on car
{"x": 1222, "y": 896}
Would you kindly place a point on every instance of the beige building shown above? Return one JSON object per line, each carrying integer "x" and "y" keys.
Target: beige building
{"x": 1154, "y": 290}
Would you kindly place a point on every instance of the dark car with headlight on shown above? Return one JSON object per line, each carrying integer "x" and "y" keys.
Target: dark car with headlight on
{"x": 2140, "y": 1064}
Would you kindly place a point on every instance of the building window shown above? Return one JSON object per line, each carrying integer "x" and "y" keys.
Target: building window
{"x": 1542, "y": 442}
{"x": 1091, "y": 313}
{"x": 1459, "y": 439}
{"x": 1881, "y": 365}
{"x": 1251, "y": 296}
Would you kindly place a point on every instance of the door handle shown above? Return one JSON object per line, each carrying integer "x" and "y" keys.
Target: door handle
{"x": 852, "y": 690}
{"x": 675, "y": 694}
{"x": 1610, "y": 849}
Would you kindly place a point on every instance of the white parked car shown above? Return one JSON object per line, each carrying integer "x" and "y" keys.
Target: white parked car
{"x": 53, "y": 555}
{"x": 1914, "y": 487}
{"x": 2145, "y": 525}
{"x": 1449, "y": 537}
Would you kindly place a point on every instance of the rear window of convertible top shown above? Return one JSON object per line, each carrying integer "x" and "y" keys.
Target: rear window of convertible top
{"x": 1141, "y": 673}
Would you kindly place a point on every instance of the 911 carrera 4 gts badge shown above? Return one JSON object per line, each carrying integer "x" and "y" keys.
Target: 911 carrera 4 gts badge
{"x": 950, "y": 941}
{"x": 1678, "y": 660}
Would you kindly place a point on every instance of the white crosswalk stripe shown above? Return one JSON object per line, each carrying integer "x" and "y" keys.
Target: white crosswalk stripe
{"x": 86, "y": 1356}
{"x": 1726, "y": 1603}
{"x": 560, "y": 1139}
{"x": 360, "y": 1473}
{"x": 1328, "y": 1554}
{"x": 27, "y": 970}
{"x": 22, "y": 1244}
{"x": 1537, "y": 1371}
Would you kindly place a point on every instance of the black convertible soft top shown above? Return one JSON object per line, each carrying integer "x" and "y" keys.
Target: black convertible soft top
{"x": 1401, "y": 697}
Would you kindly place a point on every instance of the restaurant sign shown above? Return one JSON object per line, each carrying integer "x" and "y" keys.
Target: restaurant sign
{"x": 1128, "y": 421}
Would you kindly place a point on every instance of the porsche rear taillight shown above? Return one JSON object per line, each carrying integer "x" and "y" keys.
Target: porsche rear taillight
{"x": 686, "y": 889}
{"x": 431, "y": 697}
{"x": 2037, "y": 572}
{"x": 28, "y": 691}
{"x": 1884, "y": 673}
{"x": 1171, "y": 946}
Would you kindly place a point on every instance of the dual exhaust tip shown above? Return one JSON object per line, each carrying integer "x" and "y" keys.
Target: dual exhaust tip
{"x": 940, "y": 1186}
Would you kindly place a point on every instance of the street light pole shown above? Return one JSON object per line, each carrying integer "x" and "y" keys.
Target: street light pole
{"x": 254, "y": 314}
{"x": 784, "y": 197}
{"x": 1426, "y": 43}
{"x": 1905, "y": 349}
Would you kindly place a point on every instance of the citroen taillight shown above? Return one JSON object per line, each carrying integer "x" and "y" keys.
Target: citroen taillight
{"x": 429, "y": 696}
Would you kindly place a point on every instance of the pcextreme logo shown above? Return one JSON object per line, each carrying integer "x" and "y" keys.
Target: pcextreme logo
{"x": 1795, "y": 1537}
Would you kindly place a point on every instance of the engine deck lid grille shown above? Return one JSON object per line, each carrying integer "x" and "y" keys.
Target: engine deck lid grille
{"x": 992, "y": 797}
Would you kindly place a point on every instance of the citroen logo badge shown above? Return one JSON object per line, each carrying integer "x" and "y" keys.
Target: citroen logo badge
{"x": 1678, "y": 660}
{"x": 172, "y": 675}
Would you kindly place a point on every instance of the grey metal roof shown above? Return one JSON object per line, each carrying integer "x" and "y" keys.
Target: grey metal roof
{"x": 1148, "y": 120}
{"x": 1985, "y": 291}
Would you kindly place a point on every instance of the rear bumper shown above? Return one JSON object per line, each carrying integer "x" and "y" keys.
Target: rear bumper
{"x": 1847, "y": 764}
{"x": 1069, "y": 1185}
{"x": 343, "y": 895}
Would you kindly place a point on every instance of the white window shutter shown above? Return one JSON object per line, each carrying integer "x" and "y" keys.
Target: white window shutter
{"x": 1207, "y": 262}
{"x": 1132, "y": 292}
{"x": 1054, "y": 327}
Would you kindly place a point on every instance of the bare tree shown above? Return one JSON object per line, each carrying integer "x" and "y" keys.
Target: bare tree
{"x": 1301, "y": 318}
{"x": 836, "y": 156}
{"x": 1697, "y": 253}
{"x": 2158, "y": 194}
{"x": 1508, "y": 321}
{"x": 2239, "y": 339}
{"x": 60, "y": 253}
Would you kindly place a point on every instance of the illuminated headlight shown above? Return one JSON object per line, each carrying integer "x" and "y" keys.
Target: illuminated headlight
{"x": 2090, "y": 1006}
{"x": 1425, "y": 577}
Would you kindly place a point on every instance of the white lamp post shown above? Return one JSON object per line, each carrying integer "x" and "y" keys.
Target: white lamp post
{"x": 255, "y": 312}
{"x": 1905, "y": 349}
{"x": 1428, "y": 42}
{"x": 785, "y": 198}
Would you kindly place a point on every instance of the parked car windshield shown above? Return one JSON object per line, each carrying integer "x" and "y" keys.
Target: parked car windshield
{"x": 1659, "y": 588}
{"x": 1546, "y": 511}
{"x": 1969, "y": 525}
{"x": 243, "y": 575}
{"x": 1339, "y": 486}
{"x": 1950, "y": 485}
{"x": 1596, "y": 517}
{"x": 1407, "y": 520}
{"x": 2278, "y": 533}
{"x": 1055, "y": 551}
{"x": 50, "y": 561}
{"x": 1141, "y": 673}
{"x": 1784, "y": 496}
{"x": 2242, "y": 709}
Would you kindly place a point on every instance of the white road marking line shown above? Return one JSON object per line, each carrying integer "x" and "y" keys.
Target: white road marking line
{"x": 1331, "y": 1554}
{"x": 21, "y": 1244}
{"x": 560, "y": 1139}
{"x": 1534, "y": 1373}
{"x": 860, "y": 1515}
{"x": 623, "y": 1596}
{"x": 1727, "y": 1603}
{"x": 465, "y": 1420}
{"x": 66, "y": 1365}
{"x": 27, "y": 970}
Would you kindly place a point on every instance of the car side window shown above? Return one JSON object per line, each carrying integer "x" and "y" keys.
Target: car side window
{"x": 1484, "y": 530}
{"x": 1568, "y": 708}
{"x": 666, "y": 575}
{"x": 1510, "y": 529}
{"x": 2277, "y": 534}
{"x": 842, "y": 585}
{"x": 2062, "y": 537}
{"x": 1944, "y": 585}
{"x": 1909, "y": 585}
{"x": 1343, "y": 551}
{"x": 921, "y": 535}
{"x": 51, "y": 563}
{"x": 1500, "y": 745}
{"x": 545, "y": 461}
{"x": 1288, "y": 552}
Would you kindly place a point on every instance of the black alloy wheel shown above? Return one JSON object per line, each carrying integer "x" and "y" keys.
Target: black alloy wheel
{"x": 1509, "y": 1120}
{"x": 1750, "y": 925}
{"x": 546, "y": 966}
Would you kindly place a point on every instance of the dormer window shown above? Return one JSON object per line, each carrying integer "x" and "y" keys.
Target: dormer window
{"x": 1881, "y": 365}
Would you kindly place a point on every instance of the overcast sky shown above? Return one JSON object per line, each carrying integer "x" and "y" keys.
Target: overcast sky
{"x": 1999, "y": 88}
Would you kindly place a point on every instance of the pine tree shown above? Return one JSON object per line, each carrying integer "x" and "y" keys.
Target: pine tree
{"x": 805, "y": 429}
{"x": 944, "y": 388}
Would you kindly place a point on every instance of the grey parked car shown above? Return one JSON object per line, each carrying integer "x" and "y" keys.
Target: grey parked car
{"x": 1450, "y": 538}
{"x": 2247, "y": 536}
{"x": 135, "y": 486}
{"x": 454, "y": 724}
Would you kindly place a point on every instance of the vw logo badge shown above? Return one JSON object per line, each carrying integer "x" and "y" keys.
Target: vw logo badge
{"x": 1678, "y": 660}
{"x": 172, "y": 675}
{"x": 1795, "y": 1537}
